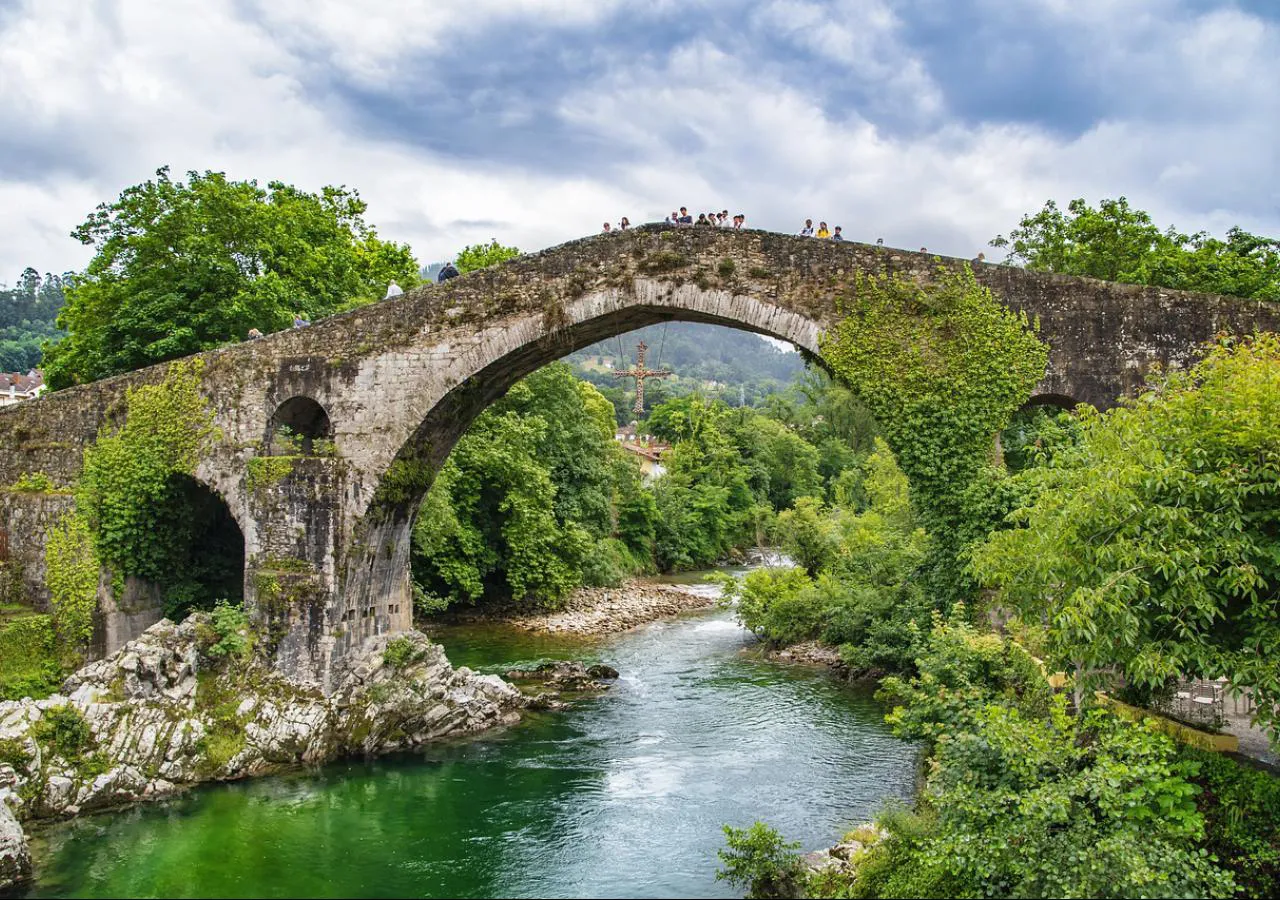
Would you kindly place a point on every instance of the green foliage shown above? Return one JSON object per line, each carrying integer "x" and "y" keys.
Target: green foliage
{"x": 807, "y": 534}
{"x": 758, "y": 860}
{"x": 1241, "y": 826}
{"x": 942, "y": 366}
{"x": 29, "y": 659}
{"x": 33, "y": 483}
{"x": 63, "y": 731}
{"x": 182, "y": 267}
{"x": 265, "y": 471}
{"x": 147, "y": 515}
{"x": 480, "y": 256}
{"x": 1035, "y": 435}
{"x": 524, "y": 503}
{"x": 13, "y": 752}
{"x": 400, "y": 652}
{"x": 72, "y": 572}
{"x": 1153, "y": 544}
{"x": 1118, "y": 243}
{"x": 1024, "y": 799}
{"x": 767, "y": 603}
{"x": 230, "y": 630}
{"x": 28, "y": 311}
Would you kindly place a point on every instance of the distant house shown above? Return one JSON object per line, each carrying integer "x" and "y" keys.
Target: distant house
{"x": 644, "y": 448}
{"x": 16, "y": 387}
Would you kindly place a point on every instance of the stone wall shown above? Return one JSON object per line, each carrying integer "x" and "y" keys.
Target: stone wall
{"x": 25, "y": 519}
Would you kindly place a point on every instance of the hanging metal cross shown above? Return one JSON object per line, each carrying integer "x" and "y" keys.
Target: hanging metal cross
{"x": 640, "y": 373}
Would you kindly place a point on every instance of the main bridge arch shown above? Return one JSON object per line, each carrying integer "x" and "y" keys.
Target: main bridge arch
{"x": 327, "y": 536}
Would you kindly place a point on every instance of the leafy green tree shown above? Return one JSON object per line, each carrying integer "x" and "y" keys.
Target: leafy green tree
{"x": 28, "y": 313}
{"x": 480, "y": 256}
{"x": 535, "y": 499}
{"x": 1152, "y": 545}
{"x": 1116, "y": 242}
{"x": 181, "y": 267}
{"x": 807, "y": 534}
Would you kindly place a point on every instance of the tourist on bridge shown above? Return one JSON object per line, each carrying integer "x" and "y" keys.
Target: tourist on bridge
{"x": 702, "y": 219}
{"x": 674, "y": 218}
{"x": 624, "y": 224}
{"x": 393, "y": 290}
{"x": 823, "y": 231}
{"x": 739, "y": 220}
{"x": 448, "y": 271}
{"x": 606, "y": 228}
{"x": 720, "y": 219}
{"x": 837, "y": 236}
{"x": 299, "y": 321}
{"x": 807, "y": 230}
{"x": 254, "y": 334}
{"x": 685, "y": 218}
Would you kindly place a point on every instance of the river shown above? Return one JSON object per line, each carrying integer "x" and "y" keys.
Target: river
{"x": 622, "y": 795}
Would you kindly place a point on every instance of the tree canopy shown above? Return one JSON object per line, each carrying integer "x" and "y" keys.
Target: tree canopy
{"x": 1116, "y": 242}
{"x": 1152, "y": 544}
{"x": 181, "y": 267}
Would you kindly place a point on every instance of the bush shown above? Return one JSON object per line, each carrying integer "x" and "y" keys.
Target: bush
{"x": 64, "y": 732}
{"x": 33, "y": 483}
{"x": 1241, "y": 807}
{"x": 759, "y": 860}
{"x": 400, "y": 652}
{"x": 229, "y": 632}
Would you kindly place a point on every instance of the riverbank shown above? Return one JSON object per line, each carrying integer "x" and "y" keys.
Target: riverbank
{"x": 595, "y": 611}
{"x": 170, "y": 710}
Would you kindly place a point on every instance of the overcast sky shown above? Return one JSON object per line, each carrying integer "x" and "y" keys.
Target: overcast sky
{"x": 925, "y": 122}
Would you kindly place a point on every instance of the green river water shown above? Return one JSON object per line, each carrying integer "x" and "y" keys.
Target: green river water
{"x": 621, "y": 796}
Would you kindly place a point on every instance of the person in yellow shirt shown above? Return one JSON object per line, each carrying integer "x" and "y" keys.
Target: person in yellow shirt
{"x": 823, "y": 231}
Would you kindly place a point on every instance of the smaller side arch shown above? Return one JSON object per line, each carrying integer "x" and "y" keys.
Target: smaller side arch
{"x": 1061, "y": 401}
{"x": 299, "y": 421}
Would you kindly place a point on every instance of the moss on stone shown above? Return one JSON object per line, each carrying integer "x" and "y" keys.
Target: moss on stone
{"x": 265, "y": 471}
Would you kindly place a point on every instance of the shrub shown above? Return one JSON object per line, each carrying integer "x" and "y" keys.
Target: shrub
{"x": 229, "y": 632}
{"x": 760, "y": 861}
{"x": 63, "y": 730}
{"x": 33, "y": 483}
{"x": 400, "y": 652}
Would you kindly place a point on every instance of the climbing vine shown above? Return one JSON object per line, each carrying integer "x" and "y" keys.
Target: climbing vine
{"x": 126, "y": 485}
{"x": 942, "y": 365}
{"x": 71, "y": 572}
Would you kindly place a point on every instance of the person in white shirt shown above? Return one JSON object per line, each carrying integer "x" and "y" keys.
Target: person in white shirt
{"x": 807, "y": 230}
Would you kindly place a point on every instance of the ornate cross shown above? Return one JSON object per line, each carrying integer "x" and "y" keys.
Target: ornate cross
{"x": 640, "y": 373}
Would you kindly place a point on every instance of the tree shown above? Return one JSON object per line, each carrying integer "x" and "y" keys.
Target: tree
{"x": 183, "y": 267}
{"x": 1152, "y": 544}
{"x": 480, "y": 256}
{"x": 1118, "y": 243}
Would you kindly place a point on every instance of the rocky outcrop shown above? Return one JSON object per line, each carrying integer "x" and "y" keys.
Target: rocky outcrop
{"x": 550, "y": 684}
{"x": 165, "y": 712}
{"x": 841, "y": 861}
{"x": 589, "y": 611}
{"x": 810, "y": 653}
{"x": 15, "y": 860}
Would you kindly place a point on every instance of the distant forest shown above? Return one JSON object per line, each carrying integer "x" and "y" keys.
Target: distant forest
{"x": 718, "y": 362}
{"x": 28, "y": 317}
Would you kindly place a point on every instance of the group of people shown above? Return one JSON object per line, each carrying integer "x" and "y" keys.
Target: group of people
{"x": 822, "y": 232}
{"x": 713, "y": 219}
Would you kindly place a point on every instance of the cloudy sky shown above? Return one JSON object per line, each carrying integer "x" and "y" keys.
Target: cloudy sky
{"x": 925, "y": 122}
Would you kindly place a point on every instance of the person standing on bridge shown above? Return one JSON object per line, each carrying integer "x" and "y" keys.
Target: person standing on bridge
{"x": 837, "y": 236}
{"x": 739, "y": 220}
{"x": 823, "y": 231}
{"x": 448, "y": 271}
{"x": 606, "y": 228}
{"x": 685, "y": 218}
{"x": 624, "y": 224}
{"x": 807, "y": 230}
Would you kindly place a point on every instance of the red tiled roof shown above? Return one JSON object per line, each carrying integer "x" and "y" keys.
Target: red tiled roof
{"x": 25, "y": 384}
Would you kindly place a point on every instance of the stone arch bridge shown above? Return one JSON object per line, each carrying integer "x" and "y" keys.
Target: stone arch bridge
{"x": 395, "y": 384}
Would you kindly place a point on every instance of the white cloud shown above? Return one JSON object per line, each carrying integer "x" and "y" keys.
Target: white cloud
{"x": 92, "y": 101}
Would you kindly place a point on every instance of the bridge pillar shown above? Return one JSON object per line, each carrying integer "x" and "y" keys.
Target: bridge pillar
{"x": 291, "y": 558}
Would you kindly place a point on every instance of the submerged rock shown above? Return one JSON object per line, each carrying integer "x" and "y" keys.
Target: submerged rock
{"x": 567, "y": 675}
{"x": 160, "y": 714}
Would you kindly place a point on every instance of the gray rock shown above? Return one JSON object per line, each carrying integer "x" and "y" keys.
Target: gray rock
{"x": 15, "y": 858}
